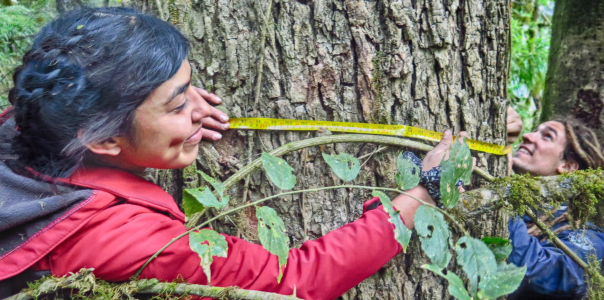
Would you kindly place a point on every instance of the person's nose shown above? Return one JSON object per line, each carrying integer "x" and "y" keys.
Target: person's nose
{"x": 529, "y": 137}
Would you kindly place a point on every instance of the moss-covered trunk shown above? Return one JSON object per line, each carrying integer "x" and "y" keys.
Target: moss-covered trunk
{"x": 575, "y": 78}
{"x": 434, "y": 64}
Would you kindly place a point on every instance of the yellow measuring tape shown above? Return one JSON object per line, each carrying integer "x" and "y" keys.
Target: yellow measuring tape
{"x": 396, "y": 130}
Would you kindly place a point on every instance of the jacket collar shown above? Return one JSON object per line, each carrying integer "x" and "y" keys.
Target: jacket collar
{"x": 127, "y": 186}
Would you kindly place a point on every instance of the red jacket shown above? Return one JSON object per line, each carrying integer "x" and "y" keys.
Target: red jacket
{"x": 127, "y": 219}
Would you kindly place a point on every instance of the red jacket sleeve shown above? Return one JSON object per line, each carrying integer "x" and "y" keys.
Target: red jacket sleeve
{"x": 120, "y": 239}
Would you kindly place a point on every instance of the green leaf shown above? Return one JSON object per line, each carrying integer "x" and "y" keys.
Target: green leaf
{"x": 434, "y": 234}
{"x": 495, "y": 240}
{"x": 505, "y": 281}
{"x": 278, "y": 171}
{"x": 205, "y": 197}
{"x": 457, "y": 166}
{"x": 476, "y": 260}
{"x": 271, "y": 231}
{"x": 408, "y": 173}
{"x": 208, "y": 243}
{"x": 217, "y": 185}
{"x": 456, "y": 286}
{"x": 345, "y": 166}
{"x": 501, "y": 247}
{"x": 190, "y": 204}
{"x": 401, "y": 233}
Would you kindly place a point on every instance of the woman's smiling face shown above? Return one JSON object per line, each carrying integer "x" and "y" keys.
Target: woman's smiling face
{"x": 167, "y": 127}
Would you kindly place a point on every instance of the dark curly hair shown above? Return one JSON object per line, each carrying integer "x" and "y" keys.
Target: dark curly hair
{"x": 582, "y": 145}
{"x": 82, "y": 80}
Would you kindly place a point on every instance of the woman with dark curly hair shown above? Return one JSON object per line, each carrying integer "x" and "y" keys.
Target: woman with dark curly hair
{"x": 102, "y": 95}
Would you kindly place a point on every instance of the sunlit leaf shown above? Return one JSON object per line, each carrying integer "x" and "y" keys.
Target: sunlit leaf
{"x": 476, "y": 260}
{"x": 505, "y": 281}
{"x": 408, "y": 173}
{"x": 208, "y": 243}
{"x": 271, "y": 231}
{"x": 501, "y": 247}
{"x": 456, "y": 286}
{"x": 204, "y": 196}
{"x": 434, "y": 234}
{"x": 457, "y": 166}
{"x": 401, "y": 233}
{"x": 278, "y": 171}
{"x": 345, "y": 166}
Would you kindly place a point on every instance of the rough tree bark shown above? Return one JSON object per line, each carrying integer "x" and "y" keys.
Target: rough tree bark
{"x": 434, "y": 64}
{"x": 575, "y": 77}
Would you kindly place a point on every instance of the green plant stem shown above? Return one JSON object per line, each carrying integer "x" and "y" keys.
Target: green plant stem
{"x": 556, "y": 241}
{"x": 338, "y": 138}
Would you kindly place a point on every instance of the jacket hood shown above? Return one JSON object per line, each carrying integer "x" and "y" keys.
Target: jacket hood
{"x": 27, "y": 205}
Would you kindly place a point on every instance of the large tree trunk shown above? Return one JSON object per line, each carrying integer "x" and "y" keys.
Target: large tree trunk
{"x": 434, "y": 64}
{"x": 575, "y": 77}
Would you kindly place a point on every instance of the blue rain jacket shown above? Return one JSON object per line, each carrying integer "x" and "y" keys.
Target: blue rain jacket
{"x": 551, "y": 274}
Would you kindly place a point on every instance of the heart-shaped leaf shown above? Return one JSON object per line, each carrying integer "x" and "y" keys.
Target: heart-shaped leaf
{"x": 345, "y": 166}
{"x": 271, "y": 231}
{"x": 408, "y": 173}
{"x": 434, "y": 234}
{"x": 457, "y": 167}
{"x": 278, "y": 171}
{"x": 401, "y": 233}
{"x": 476, "y": 260}
{"x": 208, "y": 243}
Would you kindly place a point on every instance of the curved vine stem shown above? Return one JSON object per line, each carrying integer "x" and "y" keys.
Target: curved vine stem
{"x": 339, "y": 138}
{"x": 140, "y": 270}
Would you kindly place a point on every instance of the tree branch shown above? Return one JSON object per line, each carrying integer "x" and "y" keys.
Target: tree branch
{"x": 339, "y": 138}
{"x": 85, "y": 283}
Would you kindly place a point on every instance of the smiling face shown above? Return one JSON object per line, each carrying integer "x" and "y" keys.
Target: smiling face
{"x": 541, "y": 151}
{"x": 167, "y": 127}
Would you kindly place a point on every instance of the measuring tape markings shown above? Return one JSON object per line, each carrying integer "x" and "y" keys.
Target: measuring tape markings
{"x": 382, "y": 129}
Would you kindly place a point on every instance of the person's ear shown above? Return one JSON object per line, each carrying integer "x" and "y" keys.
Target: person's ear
{"x": 109, "y": 146}
{"x": 567, "y": 166}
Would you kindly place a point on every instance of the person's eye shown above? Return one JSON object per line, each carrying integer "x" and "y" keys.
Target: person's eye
{"x": 548, "y": 137}
{"x": 183, "y": 106}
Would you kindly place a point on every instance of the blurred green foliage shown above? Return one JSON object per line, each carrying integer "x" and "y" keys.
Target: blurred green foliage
{"x": 531, "y": 32}
{"x": 18, "y": 23}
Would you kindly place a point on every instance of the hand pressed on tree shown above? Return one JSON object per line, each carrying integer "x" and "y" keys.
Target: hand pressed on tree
{"x": 217, "y": 120}
{"x": 514, "y": 125}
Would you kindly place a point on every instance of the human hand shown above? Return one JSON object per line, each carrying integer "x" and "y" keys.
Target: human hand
{"x": 435, "y": 156}
{"x": 216, "y": 120}
{"x": 514, "y": 125}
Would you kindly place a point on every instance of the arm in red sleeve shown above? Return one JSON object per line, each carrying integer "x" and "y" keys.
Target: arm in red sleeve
{"x": 120, "y": 239}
